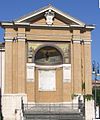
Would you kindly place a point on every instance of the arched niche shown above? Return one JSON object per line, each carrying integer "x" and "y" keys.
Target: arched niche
{"x": 48, "y": 55}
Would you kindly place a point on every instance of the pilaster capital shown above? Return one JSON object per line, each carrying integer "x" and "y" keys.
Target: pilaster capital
{"x": 21, "y": 37}
{"x": 86, "y": 42}
{"x": 82, "y": 42}
{"x": 8, "y": 39}
{"x": 76, "y": 37}
{"x": 76, "y": 41}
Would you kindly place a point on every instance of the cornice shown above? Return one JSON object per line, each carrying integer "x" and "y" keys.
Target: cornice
{"x": 24, "y": 24}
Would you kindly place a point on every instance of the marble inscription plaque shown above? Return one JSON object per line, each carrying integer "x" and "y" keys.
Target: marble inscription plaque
{"x": 47, "y": 81}
{"x": 67, "y": 73}
{"x": 30, "y": 72}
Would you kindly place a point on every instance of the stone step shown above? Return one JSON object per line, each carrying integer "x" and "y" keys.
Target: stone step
{"x": 53, "y": 117}
{"x": 52, "y": 112}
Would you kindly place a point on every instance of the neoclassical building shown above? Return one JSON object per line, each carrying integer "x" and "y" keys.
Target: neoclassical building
{"x": 46, "y": 62}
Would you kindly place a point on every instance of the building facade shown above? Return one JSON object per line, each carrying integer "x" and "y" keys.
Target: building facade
{"x": 47, "y": 60}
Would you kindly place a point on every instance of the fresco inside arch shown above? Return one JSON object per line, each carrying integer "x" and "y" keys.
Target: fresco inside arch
{"x": 48, "y": 53}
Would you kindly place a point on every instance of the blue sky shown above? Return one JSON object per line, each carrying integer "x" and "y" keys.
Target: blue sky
{"x": 87, "y": 11}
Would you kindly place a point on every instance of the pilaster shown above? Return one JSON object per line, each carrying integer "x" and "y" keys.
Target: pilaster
{"x": 21, "y": 60}
{"x": 2, "y": 71}
{"x": 87, "y": 65}
{"x": 15, "y": 68}
{"x": 8, "y": 65}
{"x": 77, "y": 83}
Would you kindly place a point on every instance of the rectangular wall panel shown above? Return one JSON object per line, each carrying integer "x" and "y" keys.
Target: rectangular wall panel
{"x": 30, "y": 72}
{"x": 47, "y": 80}
{"x": 67, "y": 73}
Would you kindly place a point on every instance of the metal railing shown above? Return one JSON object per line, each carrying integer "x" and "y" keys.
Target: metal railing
{"x": 51, "y": 108}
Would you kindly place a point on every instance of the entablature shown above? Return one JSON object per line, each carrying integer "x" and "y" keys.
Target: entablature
{"x": 28, "y": 25}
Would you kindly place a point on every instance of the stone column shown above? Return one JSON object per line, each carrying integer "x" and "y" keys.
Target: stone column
{"x": 21, "y": 60}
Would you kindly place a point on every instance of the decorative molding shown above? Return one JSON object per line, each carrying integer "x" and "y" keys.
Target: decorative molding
{"x": 13, "y": 24}
{"x": 23, "y": 23}
{"x": 8, "y": 39}
{"x": 6, "y": 23}
{"x": 76, "y": 41}
{"x": 90, "y": 26}
{"x": 53, "y": 26}
{"x": 77, "y": 26}
{"x": 21, "y": 37}
{"x": 49, "y": 17}
{"x": 87, "y": 42}
{"x": 82, "y": 41}
{"x": 42, "y": 10}
{"x": 48, "y": 67}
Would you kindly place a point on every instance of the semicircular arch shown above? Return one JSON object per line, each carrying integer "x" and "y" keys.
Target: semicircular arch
{"x": 48, "y": 55}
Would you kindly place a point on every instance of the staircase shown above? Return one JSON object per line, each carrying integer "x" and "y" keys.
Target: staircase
{"x": 63, "y": 116}
{"x": 52, "y": 112}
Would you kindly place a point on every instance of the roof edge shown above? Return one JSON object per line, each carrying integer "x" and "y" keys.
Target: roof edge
{"x": 11, "y": 24}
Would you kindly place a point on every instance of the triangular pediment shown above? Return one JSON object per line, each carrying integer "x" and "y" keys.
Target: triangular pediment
{"x": 60, "y": 18}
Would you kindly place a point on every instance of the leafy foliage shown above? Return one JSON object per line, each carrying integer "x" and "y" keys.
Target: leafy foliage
{"x": 88, "y": 97}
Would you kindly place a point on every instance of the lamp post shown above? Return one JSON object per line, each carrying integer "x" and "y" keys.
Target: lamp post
{"x": 95, "y": 72}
